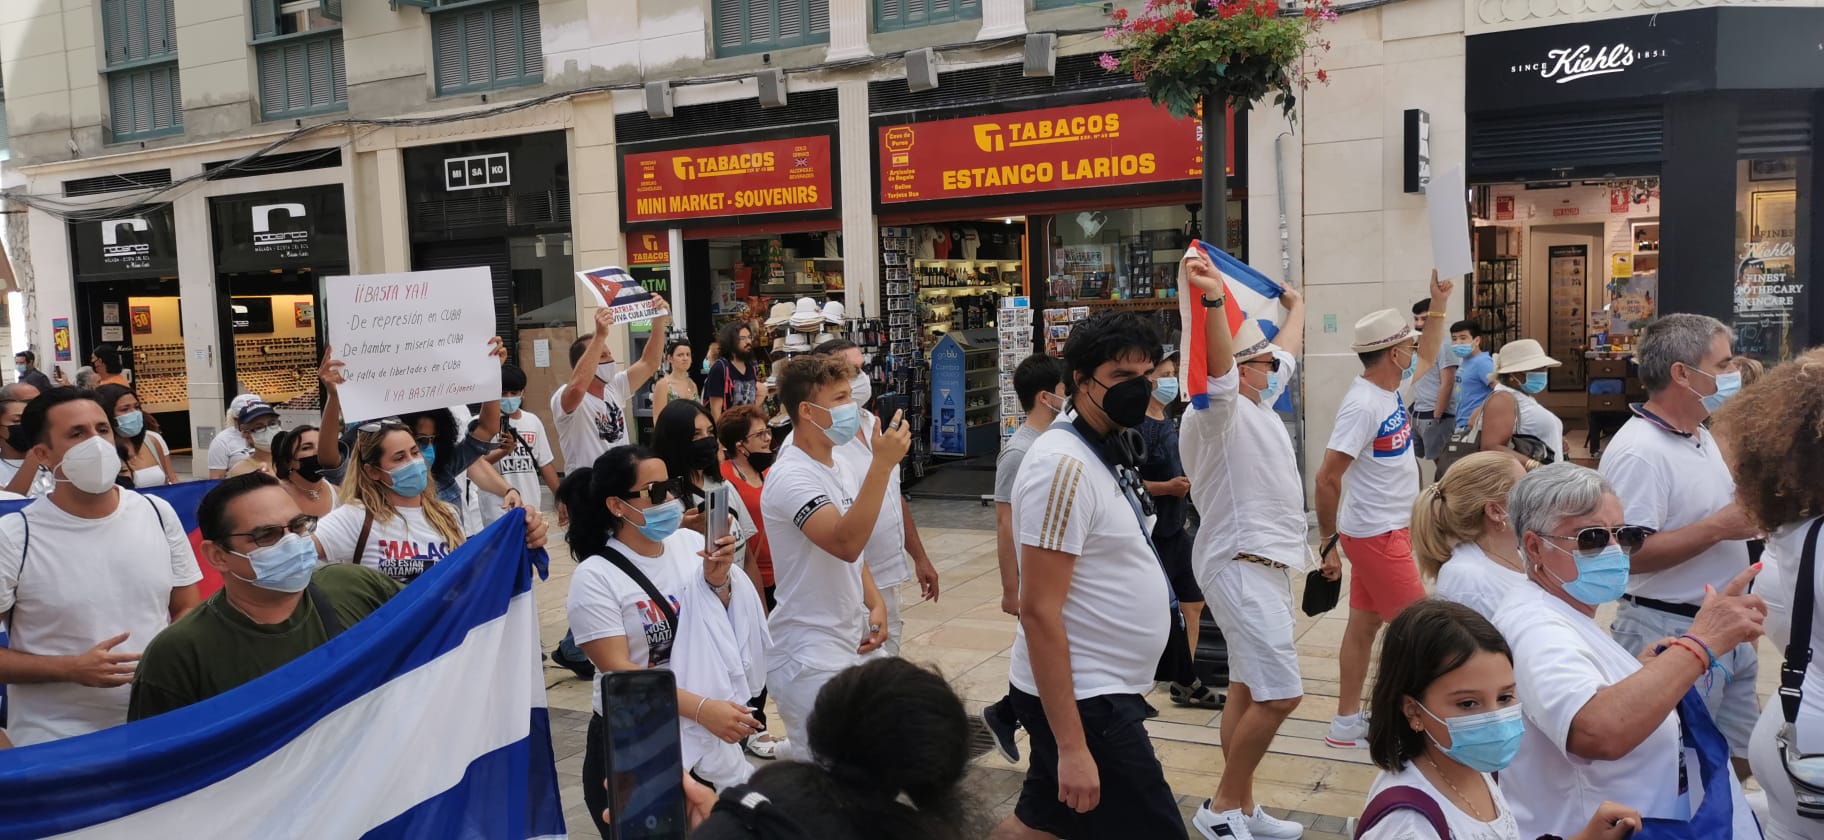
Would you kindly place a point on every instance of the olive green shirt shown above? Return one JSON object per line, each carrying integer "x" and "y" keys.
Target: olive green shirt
{"x": 216, "y": 648}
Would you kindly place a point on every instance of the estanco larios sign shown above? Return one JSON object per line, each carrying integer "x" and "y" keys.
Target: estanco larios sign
{"x": 756, "y": 177}
{"x": 1121, "y": 143}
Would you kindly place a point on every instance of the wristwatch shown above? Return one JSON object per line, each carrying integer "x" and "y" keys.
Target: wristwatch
{"x": 1214, "y": 304}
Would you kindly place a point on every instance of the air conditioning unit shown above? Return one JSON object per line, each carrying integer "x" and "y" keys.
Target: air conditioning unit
{"x": 658, "y": 100}
{"x": 1041, "y": 55}
{"x": 772, "y": 88}
{"x": 921, "y": 70}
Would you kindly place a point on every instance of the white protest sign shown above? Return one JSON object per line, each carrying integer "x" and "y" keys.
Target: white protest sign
{"x": 1449, "y": 212}
{"x": 622, "y": 295}
{"x": 412, "y": 341}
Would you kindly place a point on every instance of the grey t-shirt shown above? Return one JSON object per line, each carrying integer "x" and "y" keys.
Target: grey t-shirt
{"x": 1425, "y": 391}
{"x": 1007, "y": 464}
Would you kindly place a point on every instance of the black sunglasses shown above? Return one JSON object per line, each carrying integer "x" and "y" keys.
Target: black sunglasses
{"x": 381, "y": 425}
{"x": 657, "y": 492}
{"x": 1272, "y": 363}
{"x": 1629, "y": 537}
{"x": 268, "y": 535}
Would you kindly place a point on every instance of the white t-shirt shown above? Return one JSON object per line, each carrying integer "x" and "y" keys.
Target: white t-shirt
{"x": 1778, "y": 582}
{"x": 1667, "y": 481}
{"x": 820, "y": 618}
{"x": 82, "y": 582}
{"x": 605, "y": 602}
{"x": 520, "y": 468}
{"x": 1407, "y": 824}
{"x": 227, "y": 448}
{"x": 886, "y": 551}
{"x": 1531, "y": 418}
{"x": 1561, "y": 659}
{"x": 1475, "y": 580}
{"x": 1115, "y": 614}
{"x": 1383, "y": 481}
{"x": 1244, "y": 476}
{"x": 597, "y": 425}
{"x": 41, "y": 485}
{"x": 401, "y": 547}
{"x": 152, "y": 476}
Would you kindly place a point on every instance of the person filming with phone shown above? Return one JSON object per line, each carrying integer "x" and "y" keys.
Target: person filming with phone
{"x": 650, "y": 594}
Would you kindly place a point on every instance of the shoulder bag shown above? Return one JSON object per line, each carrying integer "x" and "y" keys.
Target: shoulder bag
{"x": 1806, "y": 772}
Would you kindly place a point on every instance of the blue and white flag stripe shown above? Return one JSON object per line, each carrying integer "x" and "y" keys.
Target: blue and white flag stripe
{"x": 427, "y": 719}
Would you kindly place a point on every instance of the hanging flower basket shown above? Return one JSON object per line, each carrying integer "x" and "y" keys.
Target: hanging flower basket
{"x": 1234, "y": 51}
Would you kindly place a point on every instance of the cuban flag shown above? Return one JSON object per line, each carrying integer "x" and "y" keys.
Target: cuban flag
{"x": 427, "y": 719}
{"x": 1251, "y": 296}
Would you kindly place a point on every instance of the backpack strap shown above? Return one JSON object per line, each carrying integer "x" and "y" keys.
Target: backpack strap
{"x": 326, "y": 610}
{"x": 1407, "y": 798}
{"x": 367, "y": 528}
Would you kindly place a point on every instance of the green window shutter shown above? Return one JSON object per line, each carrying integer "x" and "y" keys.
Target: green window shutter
{"x": 730, "y": 20}
{"x": 299, "y": 77}
{"x": 145, "y": 102}
{"x": 161, "y": 31}
{"x": 332, "y": 9}
{"x": 788, "y": 17}
{"x": 497, "y": 45}
{"x": 265, "y": 16}
{"x": 446, "y": 49}
{"x": 476, "y": 68}
{"x": 532, "y": 43}
{"x": 818, "y": 13}
{"x": 905, "y": 14}
{"x": 167, "y": 100}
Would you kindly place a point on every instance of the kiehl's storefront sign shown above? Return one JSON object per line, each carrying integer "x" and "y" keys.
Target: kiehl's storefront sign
{"x": 1110, "y": 144}
{"x": 1619, "y": 58}
{"x": 760, "y": 177}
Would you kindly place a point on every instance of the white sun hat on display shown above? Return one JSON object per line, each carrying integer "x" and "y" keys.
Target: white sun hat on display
{"x": 806, "y": 316}
{"x": 832, "y": 312}
{"x": 779, "y": 314}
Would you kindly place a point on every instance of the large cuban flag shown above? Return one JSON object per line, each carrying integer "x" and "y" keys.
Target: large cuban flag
{"x": 1251, "y": 297}
{"x": 427, "y": 719}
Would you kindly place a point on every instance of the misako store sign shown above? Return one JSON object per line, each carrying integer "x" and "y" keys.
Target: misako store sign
{"x": 1109, "y": 144}
{"x": 751, "y": 178}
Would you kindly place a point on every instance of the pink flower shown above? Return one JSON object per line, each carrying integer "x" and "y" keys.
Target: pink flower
{"x": 1327, "y": 15}
{"x": 1109, "y": 62}
{"x": 1109, "y": 33}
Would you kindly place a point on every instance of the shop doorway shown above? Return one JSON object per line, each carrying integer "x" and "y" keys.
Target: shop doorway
{"x": 270, "y": 320}
{"x": 144, "y": 320}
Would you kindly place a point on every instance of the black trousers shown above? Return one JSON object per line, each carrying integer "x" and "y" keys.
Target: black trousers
{"x": 595, "y": 774}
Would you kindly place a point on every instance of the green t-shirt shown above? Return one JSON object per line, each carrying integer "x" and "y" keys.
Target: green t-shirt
{"x": 216, "y": 648}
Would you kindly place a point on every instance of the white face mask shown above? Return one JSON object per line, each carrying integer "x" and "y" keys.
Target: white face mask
{"x": 862, "y": 389}
{"x": 262, "y": 439}
{"x": 91, "y": 465}
{"x": 605, "y": 372}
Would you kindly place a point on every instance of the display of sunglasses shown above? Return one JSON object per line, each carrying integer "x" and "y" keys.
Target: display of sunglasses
{"x": 267, "y": 535}
{"x": 656, "y": 492}
{"x": 1593, "y": 539}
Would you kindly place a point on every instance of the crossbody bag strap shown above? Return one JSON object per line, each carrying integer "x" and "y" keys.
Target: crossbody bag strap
{"x": 326, "y": 611}
{"x": 1403, "y": 798}
{"x": 628, "y": 568}
{"x": 367, "y": 528}
{"x": 1798, "y": 646}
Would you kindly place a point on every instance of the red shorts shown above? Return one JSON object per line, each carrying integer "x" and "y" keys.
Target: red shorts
{"x": 1383, "y": 577}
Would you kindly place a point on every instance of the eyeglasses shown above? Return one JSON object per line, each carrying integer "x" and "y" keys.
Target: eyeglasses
{"x": 381, "y": 425}
{"x": 267, "y": 535}
{"x": 763, "y": 433}
{"x": 1271, "y": 362}
{"x": 656, "y": 492}
{"x": 1629, "y": 537}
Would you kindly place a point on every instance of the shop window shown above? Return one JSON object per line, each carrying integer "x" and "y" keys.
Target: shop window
{"x": 1769, "y": 304}
{"x": 140, "y": 55}
{"x": 752, "y": 26}
{"x": 480, "y": 46}
{"x": 890, "y": 15}
{"x": 298, "y": 47}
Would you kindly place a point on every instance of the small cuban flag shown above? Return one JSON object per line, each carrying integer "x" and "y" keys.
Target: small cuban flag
{"x": 1251, "y": 296}
{"x": 620, "y": 293}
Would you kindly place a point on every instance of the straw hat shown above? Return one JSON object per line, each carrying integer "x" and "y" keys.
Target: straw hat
{"x": 1382, "y": 329}
{"x": 1251, "y": 343}
{"x": 1523, "y": 355}
{"x": 832, "y": 312}
{"x": 805, "y": 316}
{"x": 779, "y": 314}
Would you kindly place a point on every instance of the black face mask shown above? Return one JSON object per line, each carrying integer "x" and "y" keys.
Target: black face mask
{"x": 1126, "y": 403}
{"x": 309, "y": 469}
{"x": 759, "y": 460}
{"x": 703, "y": 454}
{"x": 16, "y": 440}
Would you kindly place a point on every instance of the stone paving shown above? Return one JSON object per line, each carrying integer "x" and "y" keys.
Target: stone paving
{"x": 965, "y": 636}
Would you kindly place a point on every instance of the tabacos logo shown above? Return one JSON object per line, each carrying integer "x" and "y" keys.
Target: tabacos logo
{"x": 999, "y": 137}
{"x": 115, "y": 246}
{"x": 692, "y": 167}
{"x": 651, "y": 249}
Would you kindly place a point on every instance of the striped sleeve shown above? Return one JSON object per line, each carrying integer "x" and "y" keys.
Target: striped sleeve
{"x": 1053, "y": 504}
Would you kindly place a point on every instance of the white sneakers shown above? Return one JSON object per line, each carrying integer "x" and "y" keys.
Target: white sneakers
{"x": 1235, "y": 825}
{"x": 1348, "y": 733}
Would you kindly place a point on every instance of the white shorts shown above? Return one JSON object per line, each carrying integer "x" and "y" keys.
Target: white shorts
{"x": 1252, "y": 604}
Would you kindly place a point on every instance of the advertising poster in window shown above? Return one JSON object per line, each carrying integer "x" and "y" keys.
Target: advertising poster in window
{"x": 1566, "y": 273}
{"x": 1767, "y": 284}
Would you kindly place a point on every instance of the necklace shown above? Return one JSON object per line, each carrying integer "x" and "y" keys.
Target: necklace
{"x": 310, "y": 494}
{"x": 1511, "y": 563}
{"x": 1453, "y": 789}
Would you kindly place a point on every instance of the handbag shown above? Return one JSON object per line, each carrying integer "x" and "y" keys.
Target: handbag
{"x": 1322, "y": 593}
{"x": 1806, "y": 772}
{"x": 1460, "y": 444}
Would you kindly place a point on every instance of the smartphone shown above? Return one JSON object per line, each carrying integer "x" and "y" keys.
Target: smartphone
{"x": 645, "y": 765}
{"x": 718, "y": 514}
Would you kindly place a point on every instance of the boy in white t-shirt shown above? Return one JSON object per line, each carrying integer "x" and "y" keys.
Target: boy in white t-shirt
{"x": 1365, "y": 490}
{"x": 819, "y": 517}
{"x": 589, "y": 411}
{"x": 524, "y": 456}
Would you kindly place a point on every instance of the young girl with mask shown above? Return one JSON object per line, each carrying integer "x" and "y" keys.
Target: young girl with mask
{"x": 145, "y": 453}
{"x": 624, "y": 523}
{"x": 295, "y": 462}
{"x": 1446, "y": 716}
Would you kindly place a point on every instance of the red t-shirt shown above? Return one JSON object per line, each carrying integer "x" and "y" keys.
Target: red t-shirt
{"x": 759, "y": 555}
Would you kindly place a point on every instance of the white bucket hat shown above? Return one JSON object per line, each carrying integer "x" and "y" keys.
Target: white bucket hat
{"x": 1523, "y": 355}
{"x": 779, "y": 314}
{"x": 832, "y": 312}
{"x": 1382, "y": 329}
{"x": 796, "y": 343}
{"x": 1251, "y": 343}
{"x": 805, "y": 316}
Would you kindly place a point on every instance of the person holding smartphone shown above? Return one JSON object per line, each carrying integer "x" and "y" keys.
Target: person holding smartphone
{"x": 637, "y": 576}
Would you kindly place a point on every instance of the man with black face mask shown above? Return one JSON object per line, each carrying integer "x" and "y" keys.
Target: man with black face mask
{"x": 17, "y": 466}
{"x": 1091, "y": 632}
{"x": 88, "y": 575}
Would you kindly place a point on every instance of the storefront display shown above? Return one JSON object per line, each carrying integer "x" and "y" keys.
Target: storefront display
{"x": 127, "y": 291}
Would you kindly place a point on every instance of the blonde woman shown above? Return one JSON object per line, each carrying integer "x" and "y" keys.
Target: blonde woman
{"x": 390, "y": 518}
{"x": 1461, "y": 534}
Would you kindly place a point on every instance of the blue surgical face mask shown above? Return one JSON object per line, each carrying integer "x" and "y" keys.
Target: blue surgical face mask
{"x": 410, "y": 478}
{"x": 704, "y": 367}
{"x": 1601, "y": 577}
{"x": 1535, "y": 382}
{"x": 845, "y": 421}
{"x": 284, "y": 566}
{"x": 661, "y": 520}
{"x": 131, "y": 423}
{"x": 510, "y": 405}
{"x": 1485, "y": 742}
{"x": 1271, "y": 394}
{"x": 1727, "y": 384}
{"x": 430, "y": 456}
{"x": 1412, "y": 365}
{"x": 1462, "y": 351}
{"x": 1166, "y": 391}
